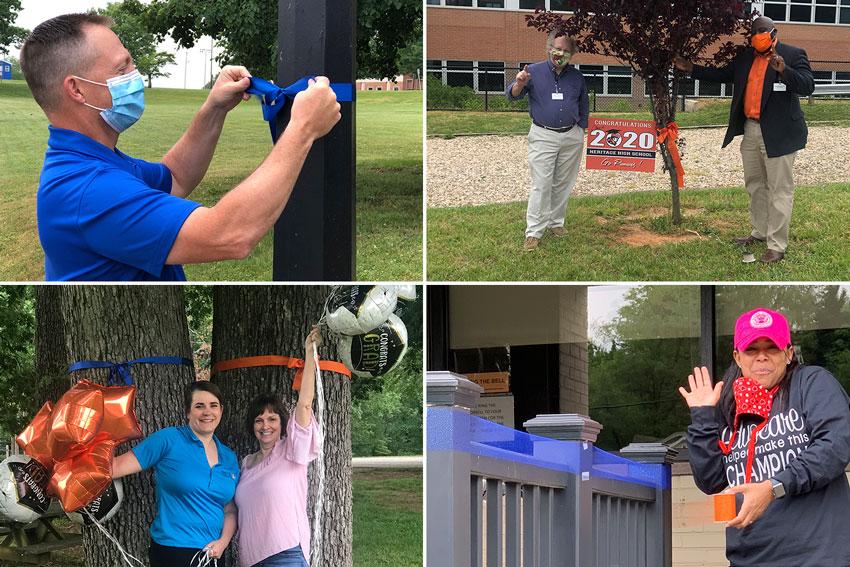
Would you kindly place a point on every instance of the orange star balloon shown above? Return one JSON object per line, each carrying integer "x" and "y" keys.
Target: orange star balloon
{"x": 119, "y": 415}
{"x": 33, "y": 439}
{"x": 82, "y": 478}
{"x": 76, "y": 420}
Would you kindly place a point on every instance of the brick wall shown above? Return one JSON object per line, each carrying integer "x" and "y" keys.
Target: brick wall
{"x": 573, "y": 349}
{"x": 470, "y": 34}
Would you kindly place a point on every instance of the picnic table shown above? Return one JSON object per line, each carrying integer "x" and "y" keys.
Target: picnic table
{"x": 34, "y": 542}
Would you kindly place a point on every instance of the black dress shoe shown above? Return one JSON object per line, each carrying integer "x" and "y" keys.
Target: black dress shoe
{"x": 747, "y": 240}
{"x": 771, "y": 256}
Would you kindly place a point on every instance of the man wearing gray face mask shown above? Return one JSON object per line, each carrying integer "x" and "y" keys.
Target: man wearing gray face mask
{"x": 103, "y": 215}
{"x": 559, "y": 107}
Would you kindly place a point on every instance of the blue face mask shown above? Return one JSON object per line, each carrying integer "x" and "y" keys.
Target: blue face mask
{"x": 128, "y": 100}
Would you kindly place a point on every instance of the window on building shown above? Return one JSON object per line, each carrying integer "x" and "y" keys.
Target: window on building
{"x": 380, "y": 88}
{"x": 817, "y": 11}
{"x": 560, "y": 6}
{"x": 607, "y": 79}
{"x": 491, "y": 76}
{"x": 775, "y": 11}
{"x": 369, "y": 88}
{"x": 531, "y": 4}
{"x": 491, "y": 3}
{"x": 459, "y": 74}
{"x": 395, "y": 88}
{"x": 434, "y": 68}
{"x": 458, "y": 2}
{"x": 433, "y": 2}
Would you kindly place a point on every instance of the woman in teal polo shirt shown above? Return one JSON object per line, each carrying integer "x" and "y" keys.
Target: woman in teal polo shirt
{"x": 196, "y": 478}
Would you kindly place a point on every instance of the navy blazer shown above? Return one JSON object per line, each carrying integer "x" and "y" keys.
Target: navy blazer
{"x": 781, "y": 119}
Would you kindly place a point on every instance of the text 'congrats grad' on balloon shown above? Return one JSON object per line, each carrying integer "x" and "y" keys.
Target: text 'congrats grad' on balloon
{"x": 373, "y": 336}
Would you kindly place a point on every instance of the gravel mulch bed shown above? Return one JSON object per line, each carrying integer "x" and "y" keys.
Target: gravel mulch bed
{"x": 477, "y": 170}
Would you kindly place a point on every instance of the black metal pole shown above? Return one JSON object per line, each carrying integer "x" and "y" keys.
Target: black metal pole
{"x": 707, "y": 327}
{"x": 314, "y": 238}
{"x": 486, "y": 90}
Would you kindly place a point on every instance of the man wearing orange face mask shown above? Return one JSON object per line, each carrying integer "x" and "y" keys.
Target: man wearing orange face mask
{"x": 768, "y": 77}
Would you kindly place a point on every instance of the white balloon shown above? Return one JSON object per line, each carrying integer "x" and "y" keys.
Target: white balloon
{"x": 103, "y": 507}
{"x": 23, "y": 489}
{"x": 376, "y": 352}
{"x": 357, "y": 309}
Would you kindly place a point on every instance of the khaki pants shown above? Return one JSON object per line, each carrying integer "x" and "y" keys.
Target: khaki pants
{"x": 555, "y": 159}
{"x": 770, "y": 184}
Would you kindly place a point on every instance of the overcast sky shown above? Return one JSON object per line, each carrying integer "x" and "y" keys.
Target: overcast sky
{"x": 192, "y": 66}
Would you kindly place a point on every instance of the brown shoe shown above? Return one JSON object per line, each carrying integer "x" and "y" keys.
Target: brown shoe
{"x": 559, "y": 231}
{"x": 771, "y": 256}
{"x": 530, "y": 244}
{"x": 747, "y": 240}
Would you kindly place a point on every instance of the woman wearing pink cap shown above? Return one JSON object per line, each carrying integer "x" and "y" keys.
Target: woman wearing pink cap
{"x": 777, "y": 433}
{"x": 272, "y": 492}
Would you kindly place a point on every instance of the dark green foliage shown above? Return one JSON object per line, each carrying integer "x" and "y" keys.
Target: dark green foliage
{"x": 247, "y": 30}
{"x": 137, "y": 39}
{"x": 444, "y": 97}
{"x": 18, "y": 382}
{"x": 10, "y": 34}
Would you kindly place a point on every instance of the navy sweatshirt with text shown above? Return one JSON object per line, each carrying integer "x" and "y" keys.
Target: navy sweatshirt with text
{"x": 806, "y": 446}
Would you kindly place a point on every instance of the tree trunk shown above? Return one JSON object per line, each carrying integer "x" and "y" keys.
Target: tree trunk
{"x": 664, "y": 112}
{"x": 275, "y": 320}
{"x": 119, "y": 324}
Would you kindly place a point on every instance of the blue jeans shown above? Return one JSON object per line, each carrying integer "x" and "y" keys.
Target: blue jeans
{"x": 293, "y": 557}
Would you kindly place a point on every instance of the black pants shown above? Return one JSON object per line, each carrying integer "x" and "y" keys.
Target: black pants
{"x": 164, "y": 556}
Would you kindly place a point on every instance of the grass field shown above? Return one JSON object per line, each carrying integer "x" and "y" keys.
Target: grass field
{"x": 389, "y": 178}
{"x": 444, "y": 123}
{"x": 387, "y": 521}
{"x": 631, "y": 237}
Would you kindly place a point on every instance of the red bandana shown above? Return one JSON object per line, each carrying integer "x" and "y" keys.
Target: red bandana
{"x": 751, "y": 398}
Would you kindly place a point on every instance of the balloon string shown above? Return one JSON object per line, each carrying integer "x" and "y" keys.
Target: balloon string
{"x": 319, "y": 508}
{"x": 204, "y": 559}
{"x": 124, "y": 555}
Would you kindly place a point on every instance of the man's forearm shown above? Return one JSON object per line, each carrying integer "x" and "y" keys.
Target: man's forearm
{"x": 190, "y": 157}
{"x": 245, "y": 215}
{"x": 516, "y": 89}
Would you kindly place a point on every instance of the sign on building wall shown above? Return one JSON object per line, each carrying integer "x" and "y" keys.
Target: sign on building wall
{"x": 492, "y": 382}
{"x": 623, "y": 145}
{"x": 498, "y": 409}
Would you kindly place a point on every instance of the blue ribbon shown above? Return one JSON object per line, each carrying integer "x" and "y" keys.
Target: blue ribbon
{"x": 123, "y": 369}
{"x": 274, "y": 97}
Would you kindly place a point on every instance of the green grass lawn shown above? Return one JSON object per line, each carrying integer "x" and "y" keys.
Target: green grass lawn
{"x": 389, "y": 178}
{"x": 630, "y": 237}
{"x": 387, "y": 508}
{"x": 387, "y": 518}
{"x": 448, "y": 123}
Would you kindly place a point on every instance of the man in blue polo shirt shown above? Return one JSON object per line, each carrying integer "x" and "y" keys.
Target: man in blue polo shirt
{"x": 103, "y": 215}
{"x": 559, "y": 108}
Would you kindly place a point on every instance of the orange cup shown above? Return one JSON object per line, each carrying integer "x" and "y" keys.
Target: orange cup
{"x": 724, "y": 507}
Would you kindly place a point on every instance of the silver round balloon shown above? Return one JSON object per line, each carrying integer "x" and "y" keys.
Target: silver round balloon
{"x": 23, "y": 489}
{"x": 377, "y": 352}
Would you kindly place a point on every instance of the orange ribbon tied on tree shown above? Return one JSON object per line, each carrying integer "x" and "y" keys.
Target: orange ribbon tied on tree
{"x": 671, "y": 134}
{"x": 76, "y": 438}
{"x": 275, "y": 360}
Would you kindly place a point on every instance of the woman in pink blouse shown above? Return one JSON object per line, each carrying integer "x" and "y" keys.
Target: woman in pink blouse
{"x": 272, "y": 490}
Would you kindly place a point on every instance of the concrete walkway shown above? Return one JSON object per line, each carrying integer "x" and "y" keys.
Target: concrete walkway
{"x": 387, "y": 462}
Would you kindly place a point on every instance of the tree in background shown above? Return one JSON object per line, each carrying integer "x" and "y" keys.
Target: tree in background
{"x": 646, "y": 36}
{"x": 10, "y": 34}
{"x": 141, "y": 43}
{"x": 247, "y": 31}
{"x": 266, "y": 320}
{"x": 18, "y": 383}
{"x": 119, "y": 324}
{"x": 410, "y": 56}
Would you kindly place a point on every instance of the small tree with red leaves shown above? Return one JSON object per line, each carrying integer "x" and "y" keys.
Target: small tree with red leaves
{"x": 647, "y": 35}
